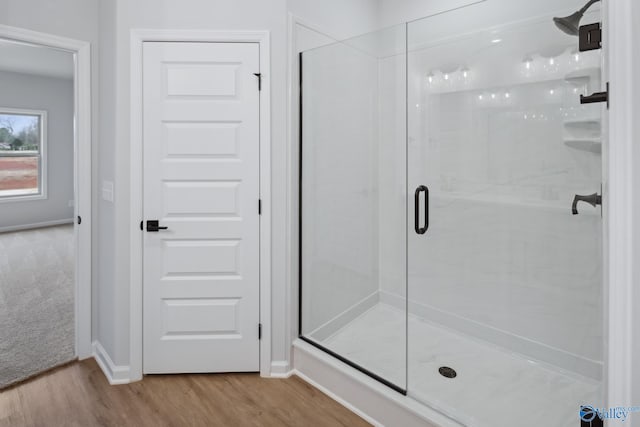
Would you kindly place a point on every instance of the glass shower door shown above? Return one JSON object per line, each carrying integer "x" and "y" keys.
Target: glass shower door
{"x": 505, "y": 282}
{"x": 352, "y": 211}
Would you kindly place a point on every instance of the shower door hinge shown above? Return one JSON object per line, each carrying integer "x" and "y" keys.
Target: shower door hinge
{"x": 259, "y": 331}
{"x": 259, "y": 206}
{"x": 259, "y": 76}
{"x": 79, "y": 220}
{"x": 590, "y": 37}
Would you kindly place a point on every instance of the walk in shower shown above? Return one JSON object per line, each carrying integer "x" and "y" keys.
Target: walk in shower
{"x": 439, "y": 252}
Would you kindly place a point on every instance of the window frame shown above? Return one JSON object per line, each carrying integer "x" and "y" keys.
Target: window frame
{"x": 42, "y": 155}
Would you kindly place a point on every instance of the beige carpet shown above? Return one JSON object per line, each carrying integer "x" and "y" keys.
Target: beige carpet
{"x": 36, "y": 301}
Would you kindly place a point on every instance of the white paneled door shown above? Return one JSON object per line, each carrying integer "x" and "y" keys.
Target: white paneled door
{"x": 201, "y": 182}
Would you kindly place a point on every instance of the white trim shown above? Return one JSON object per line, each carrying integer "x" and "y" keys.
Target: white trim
{"x": 82, "y": 179}
{"x": 138, "y": 37}
{"x": 366, "y": 397}
{"x": 281, "y": 369}
{"x": 24, "y": 197}
{"x": 619, "y": 203}
{"x": 115, "y": 374}
{"x": 36, "y": 225}
{"x": 43, "y": 177}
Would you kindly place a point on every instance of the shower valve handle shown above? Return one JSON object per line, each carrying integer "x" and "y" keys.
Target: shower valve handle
{"x": 593, "y": 199}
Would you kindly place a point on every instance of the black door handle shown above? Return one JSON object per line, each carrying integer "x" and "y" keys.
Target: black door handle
{"x": 154, "y": 225}
{"x": 420, "y": 189}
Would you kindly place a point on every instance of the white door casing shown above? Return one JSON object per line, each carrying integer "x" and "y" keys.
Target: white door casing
{"x": 201, "y": 145}
{"x": 82, "y": 173}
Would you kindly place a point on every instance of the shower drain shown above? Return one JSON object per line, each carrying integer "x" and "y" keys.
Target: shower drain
{"x": 445, "y": 371}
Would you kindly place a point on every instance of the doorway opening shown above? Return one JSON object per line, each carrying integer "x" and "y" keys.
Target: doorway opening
{"x": 45, "y": 197}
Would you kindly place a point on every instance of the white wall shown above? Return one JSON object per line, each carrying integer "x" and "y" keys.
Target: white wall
{"x": 393, "y": 12}
{"x": 338, "y": 18}
{"x": 55, "y": 96}
{"x": 68, "y": 18}
{"x": 76, "y": 19}
{"x": 107, "y": 312}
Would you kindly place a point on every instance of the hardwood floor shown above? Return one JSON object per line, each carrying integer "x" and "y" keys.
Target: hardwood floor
{"x": 79, "y": 395}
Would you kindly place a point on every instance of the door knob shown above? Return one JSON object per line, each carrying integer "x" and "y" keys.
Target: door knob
{"x": 154, "y": 225}
{"x": 593, "y": 199}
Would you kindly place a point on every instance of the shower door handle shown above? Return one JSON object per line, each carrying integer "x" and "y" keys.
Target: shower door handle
{"x": 425, "y": 190}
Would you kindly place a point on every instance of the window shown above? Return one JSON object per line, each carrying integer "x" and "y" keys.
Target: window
{"x": 22, "y": 154}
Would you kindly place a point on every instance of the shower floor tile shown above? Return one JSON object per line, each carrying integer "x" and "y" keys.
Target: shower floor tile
{"x": 493, "y": 388}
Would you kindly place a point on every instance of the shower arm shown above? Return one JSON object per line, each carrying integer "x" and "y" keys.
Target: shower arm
{"x": 587, "y": 6}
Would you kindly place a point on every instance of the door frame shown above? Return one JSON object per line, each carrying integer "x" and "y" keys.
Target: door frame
{"x": 138, "y": 38}
{"x": 622, "y": 241}
{"x": 82, "y": 172}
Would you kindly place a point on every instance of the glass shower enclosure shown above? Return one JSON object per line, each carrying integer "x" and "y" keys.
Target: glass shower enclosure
{"x": 440, "y": 251}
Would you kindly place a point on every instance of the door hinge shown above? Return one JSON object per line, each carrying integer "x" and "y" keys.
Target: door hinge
{"x": 259, "y": 76}
{"x": 79, "y": 220}
{"x": 590, "y": 37}
{"x": 259, "y": 331}
{"x": 142, "y": 225}
{"x": 259, "y": 206}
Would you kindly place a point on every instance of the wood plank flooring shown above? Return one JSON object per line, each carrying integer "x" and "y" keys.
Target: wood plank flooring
{"x": 79, "y": 395}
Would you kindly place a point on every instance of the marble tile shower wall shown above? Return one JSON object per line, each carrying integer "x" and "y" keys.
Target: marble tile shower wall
{"x": 503, "y": 256}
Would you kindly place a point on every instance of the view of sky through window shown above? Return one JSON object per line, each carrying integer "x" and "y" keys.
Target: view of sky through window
{"x": 19, "y": 132}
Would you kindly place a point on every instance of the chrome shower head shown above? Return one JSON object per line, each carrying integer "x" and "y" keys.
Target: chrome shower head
{"x": 571, "y": 24}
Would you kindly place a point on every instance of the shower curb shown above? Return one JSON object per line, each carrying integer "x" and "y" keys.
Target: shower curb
{"x": 374, "y": 402}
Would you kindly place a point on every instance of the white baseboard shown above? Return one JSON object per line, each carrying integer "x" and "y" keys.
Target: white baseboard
{"x": 115, "y": 374}
{"x": 280, "y": 369}
{"x": 341, "y": 320}
{"x": 36, "y": 225}
{"x": 364, "y": 396}
{"x": 534, "y": 350}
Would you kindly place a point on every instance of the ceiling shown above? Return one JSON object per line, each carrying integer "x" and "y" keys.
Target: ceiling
{"x": 32, "y": 59}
